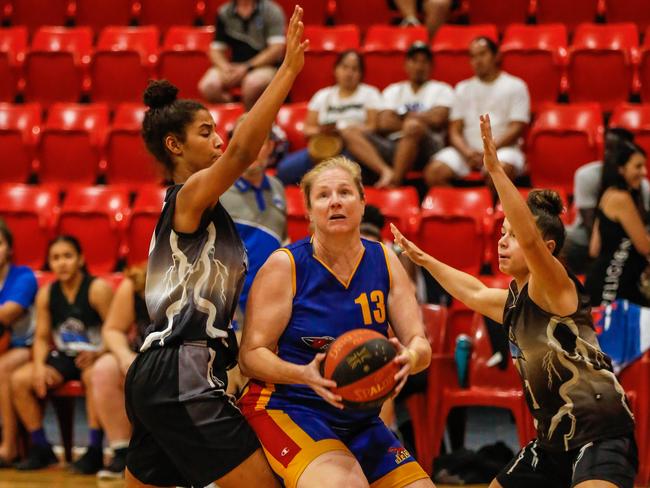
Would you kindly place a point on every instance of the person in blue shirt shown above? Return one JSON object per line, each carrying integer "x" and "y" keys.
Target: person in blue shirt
{"x": 304, "y": 297}
{"x": 17, "y": 291}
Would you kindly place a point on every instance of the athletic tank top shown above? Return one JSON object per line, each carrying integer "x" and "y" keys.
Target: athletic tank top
{"x": 76, "y": 326}
{"x": 570, "y": 388}
{"x": 616, "y": 271}
{"x": 193, "y": 280}
{"x": 324, "y": 308}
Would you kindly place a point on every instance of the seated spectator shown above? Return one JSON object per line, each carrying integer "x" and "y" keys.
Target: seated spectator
{"x": 492, "y": 91}
{"x": 620, "y": 242}
{"x": 17, "y": 292}
{"x": 415, "y": 115}
{"x": 253, "y": 31}
{"x": 435, "y": 12}
{"x": 349, "y": 110}
{"x": 586, "y": 184}
{"x": 122, "y": 341}
{"x": 69, "y": 313}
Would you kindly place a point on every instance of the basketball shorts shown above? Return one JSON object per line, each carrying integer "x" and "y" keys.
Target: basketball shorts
{"x": 186, "y": 430}
{"x": 292, "y": 438}
{"x": 614, "y": 460}
{"x": 64, "y": 364}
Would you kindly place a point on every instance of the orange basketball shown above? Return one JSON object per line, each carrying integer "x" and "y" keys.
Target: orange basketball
{"x": 361, "y": 363}
{"x": 5, "y": 338}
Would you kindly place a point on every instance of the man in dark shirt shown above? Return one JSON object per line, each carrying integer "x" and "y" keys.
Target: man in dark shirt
{"x": 253, "y": 32}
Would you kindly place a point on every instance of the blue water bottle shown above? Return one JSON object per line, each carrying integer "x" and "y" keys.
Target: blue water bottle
{"x": 462, "y": 355}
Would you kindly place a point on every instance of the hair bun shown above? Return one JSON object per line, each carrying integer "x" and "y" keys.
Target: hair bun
{"x": 159, "y": 93}
{"x": 547, "y": 200}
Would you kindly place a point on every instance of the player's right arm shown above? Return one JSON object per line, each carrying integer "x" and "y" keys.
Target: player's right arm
{"x": 203, "y": 189}
{"x": 268, "y": 312}
{"x": 462, "y": 286}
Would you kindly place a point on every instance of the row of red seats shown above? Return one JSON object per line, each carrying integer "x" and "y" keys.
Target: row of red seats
{"x": 100, "y": 13}
{"x": 76, "y": 144}
{"x": 62, "y": 64}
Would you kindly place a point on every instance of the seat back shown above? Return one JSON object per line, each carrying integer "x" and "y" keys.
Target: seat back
{"x": 13, "y": 45}
{"x": 98, "y": 14}
{"x": 167, "y": 13}
{"x": 19, "y": 129}
{"x": 501, "y": 13}
{"x": 636, "y": 119}
{"x": 400, "y": 206}
{"x": 628, "y": 11}
{"x": 364, "y": 14}
{"x": 297, "y": 220}
{"x": 142, "y": 222}
{"x": 291, "y": 118}
{"x": 557, "y": 11}
{"x": 434, "y": 318}
{"x": 225, "y": 117}
{"x": 36, "y": 13}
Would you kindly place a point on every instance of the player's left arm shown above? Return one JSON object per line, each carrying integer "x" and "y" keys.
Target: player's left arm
{"x": 405, "y": 318}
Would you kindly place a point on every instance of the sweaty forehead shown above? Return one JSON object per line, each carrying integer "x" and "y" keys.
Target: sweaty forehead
{"x": 334, "y": 177}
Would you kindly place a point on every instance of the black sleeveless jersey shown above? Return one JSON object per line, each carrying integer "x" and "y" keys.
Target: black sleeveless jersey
{"x": 193, "y": 280}
{"x": 569, "y": 384}
{"x": 142, "y": 321}
{"x": 76, "y": 326}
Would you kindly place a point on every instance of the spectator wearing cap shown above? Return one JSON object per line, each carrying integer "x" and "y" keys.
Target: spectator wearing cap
{"x": 415, "y": 116}
{"x": 253, "y": 31}
{"x": 492, "y": 91}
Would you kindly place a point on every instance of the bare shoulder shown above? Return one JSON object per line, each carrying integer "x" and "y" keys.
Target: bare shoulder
{"x": 99, "y": 288}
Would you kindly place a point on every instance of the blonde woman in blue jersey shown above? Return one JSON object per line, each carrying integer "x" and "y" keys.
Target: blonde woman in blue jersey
{"x": 585, "y": 429}
{"x": 304, "y": 297}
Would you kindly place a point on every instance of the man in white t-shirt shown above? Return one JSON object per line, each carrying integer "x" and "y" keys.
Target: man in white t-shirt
{"x": 504, "y": 97}
{"x": 415, "y": 115}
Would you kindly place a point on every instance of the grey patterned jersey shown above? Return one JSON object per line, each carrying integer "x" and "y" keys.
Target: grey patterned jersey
{"x": 193, "y": 280}
{"x": 569, "y": 384}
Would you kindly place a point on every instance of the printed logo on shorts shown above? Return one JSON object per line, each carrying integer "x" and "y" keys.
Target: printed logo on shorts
{"x": 401, "y": 454}
{"x": 284, "y": 452}
{"x": 318, "y": 343}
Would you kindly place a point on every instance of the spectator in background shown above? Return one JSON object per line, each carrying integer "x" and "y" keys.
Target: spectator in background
{"x": 253, "y": 31}
{"x": 257, "y": 205}
{"x": 435, "y": 12}
{"x": 69, "y": 313}
{"x": 349, "y": 110}
{"x": 415, "y": 115}
{"x": 586, "y": 186}
{"x": 123, "y": 333}
{"x": 504, "y": 97}
{"x": 17, "y": 291}
{"x": 620, "y": 242}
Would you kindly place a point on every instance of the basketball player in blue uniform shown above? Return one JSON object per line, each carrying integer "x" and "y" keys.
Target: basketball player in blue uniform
{"x": 305, "y": 296}
{"x": 585, "y": 429}
{"x": 186, "y": 430}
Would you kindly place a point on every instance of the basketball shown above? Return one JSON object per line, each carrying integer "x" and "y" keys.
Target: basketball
{"x": 361, "y": 363}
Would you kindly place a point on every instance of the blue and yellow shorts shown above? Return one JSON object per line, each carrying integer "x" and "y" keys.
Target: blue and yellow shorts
{"x": 293, "y": 437}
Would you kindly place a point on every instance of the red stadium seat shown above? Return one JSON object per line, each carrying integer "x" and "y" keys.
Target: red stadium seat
{"x": 636, "y": 119}
{"x": 142, "y": 222}
{"x": 98, "y": 14}
{"x": 63, "y": 402}
{"x": 55, "y": 66}
{"x": 291, "y": 118}
{"x": 95, "y": 215}
{"x": 636, "y": 11}
{"x": 453, "y": 219}
{"x": 537, "y": 55}
{"x": 598, "y": 49}
{"x": 450, "y": 50}
{"x": 563, "y": 138}
{"x": 400, "y": 206}
{"x": 384, "y": 50}
{"x": 71, "y": 143}
{"x": 167, "y": 13}
{"x": 297, "y": 220}
{"x": 558, "y": 11}
{"x": 363, "y": 14}
{"x": 124, "y": 61}
{"x": 127, "y": 160}
{"x": 502, "y": 13}
{"x": 184, "y": 58}
{"x": 487, "y": 386}
{"x": 644, "y": 68}
{"x": 225, "y": 117}
{"x": 36, "y": 13}
{"x": 29, "y": 211}
{"x": 325, "y": 44}
{"x": 316, "y": 12}
{"x": 19, "y": 129}
{"x": 13, "y": 44}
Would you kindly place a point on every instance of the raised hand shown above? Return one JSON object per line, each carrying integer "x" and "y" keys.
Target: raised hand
{"x": 490, "y": 159}
{"x": 294, "y": 57}
{"x": 413, "y": 252}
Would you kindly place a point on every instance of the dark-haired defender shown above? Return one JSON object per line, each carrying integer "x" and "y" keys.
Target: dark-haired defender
{"x": 186, "y": 430}
{"x": 585, "y": 429}
{"x": 69, "y": 313}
